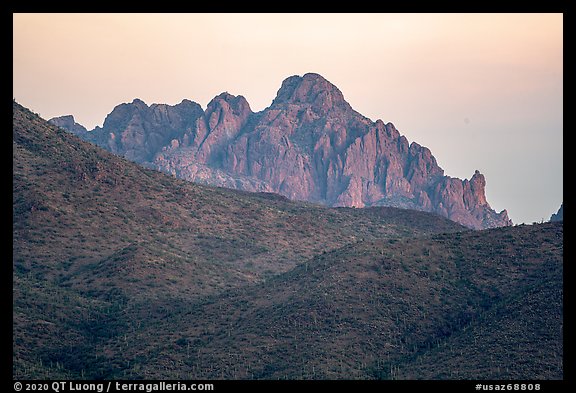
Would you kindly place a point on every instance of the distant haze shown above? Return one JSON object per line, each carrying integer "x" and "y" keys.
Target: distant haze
{"x": 482, "y": 91}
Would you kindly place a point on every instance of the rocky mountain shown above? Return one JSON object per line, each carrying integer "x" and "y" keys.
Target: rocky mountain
{"x": 559, "y": 215}
{"x": 308, "y": 145}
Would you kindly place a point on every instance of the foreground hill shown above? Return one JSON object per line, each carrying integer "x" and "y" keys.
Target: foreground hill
{"x": 105, "y": 250}
{"x": 308, "y": 145}
{"x": 473, "y": 305}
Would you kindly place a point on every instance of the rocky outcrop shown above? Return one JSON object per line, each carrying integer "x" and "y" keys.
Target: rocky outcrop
{"x": 138, "y": 131}
{"x": 68, "y": 123}
{"x": 559, "y": 215}
{"x": 309, "y": 144}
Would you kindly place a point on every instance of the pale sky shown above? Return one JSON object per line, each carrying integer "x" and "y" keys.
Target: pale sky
{"x": 482, "y": 91}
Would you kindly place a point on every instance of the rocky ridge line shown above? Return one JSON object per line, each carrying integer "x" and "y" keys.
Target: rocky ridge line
{"x": 309, "y": 144}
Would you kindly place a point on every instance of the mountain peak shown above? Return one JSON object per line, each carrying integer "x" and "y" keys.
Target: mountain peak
{"x": 237, "y": 105}
{"x": 68, "y": 123}
{"x": 139, "y": 103}
{"x": 225, "y": 96}
{"x": 312, "y": 89}
{"x": 559, "y": 215}
{"x": 230, "y": 99}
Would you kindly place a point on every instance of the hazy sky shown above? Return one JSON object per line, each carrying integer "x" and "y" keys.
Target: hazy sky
{"x": 482, "y": 91}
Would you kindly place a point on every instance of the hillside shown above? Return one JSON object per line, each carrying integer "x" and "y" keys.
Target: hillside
{"x": 308, "y": 145}
{"x": 472, "y": 305}
{"x": 105, "y": 251}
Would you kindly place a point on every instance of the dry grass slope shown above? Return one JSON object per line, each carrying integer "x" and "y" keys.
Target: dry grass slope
{"x": 393, "y": 309}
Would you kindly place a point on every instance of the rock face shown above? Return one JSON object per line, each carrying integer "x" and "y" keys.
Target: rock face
{"x": 559, "y": 215}
{"x": 309, "y": 144}
{"x": 138, "y": 131}
{"x": 68, "y": 123}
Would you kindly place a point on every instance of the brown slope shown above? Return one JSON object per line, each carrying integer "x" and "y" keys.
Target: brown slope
{"x": 121, "y": 244}
{"x": 394, "y": 309}
{"x": 520, "y": 338}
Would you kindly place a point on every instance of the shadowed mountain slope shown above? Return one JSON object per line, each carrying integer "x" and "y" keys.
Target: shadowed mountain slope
{"x": 484, "y": 305}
